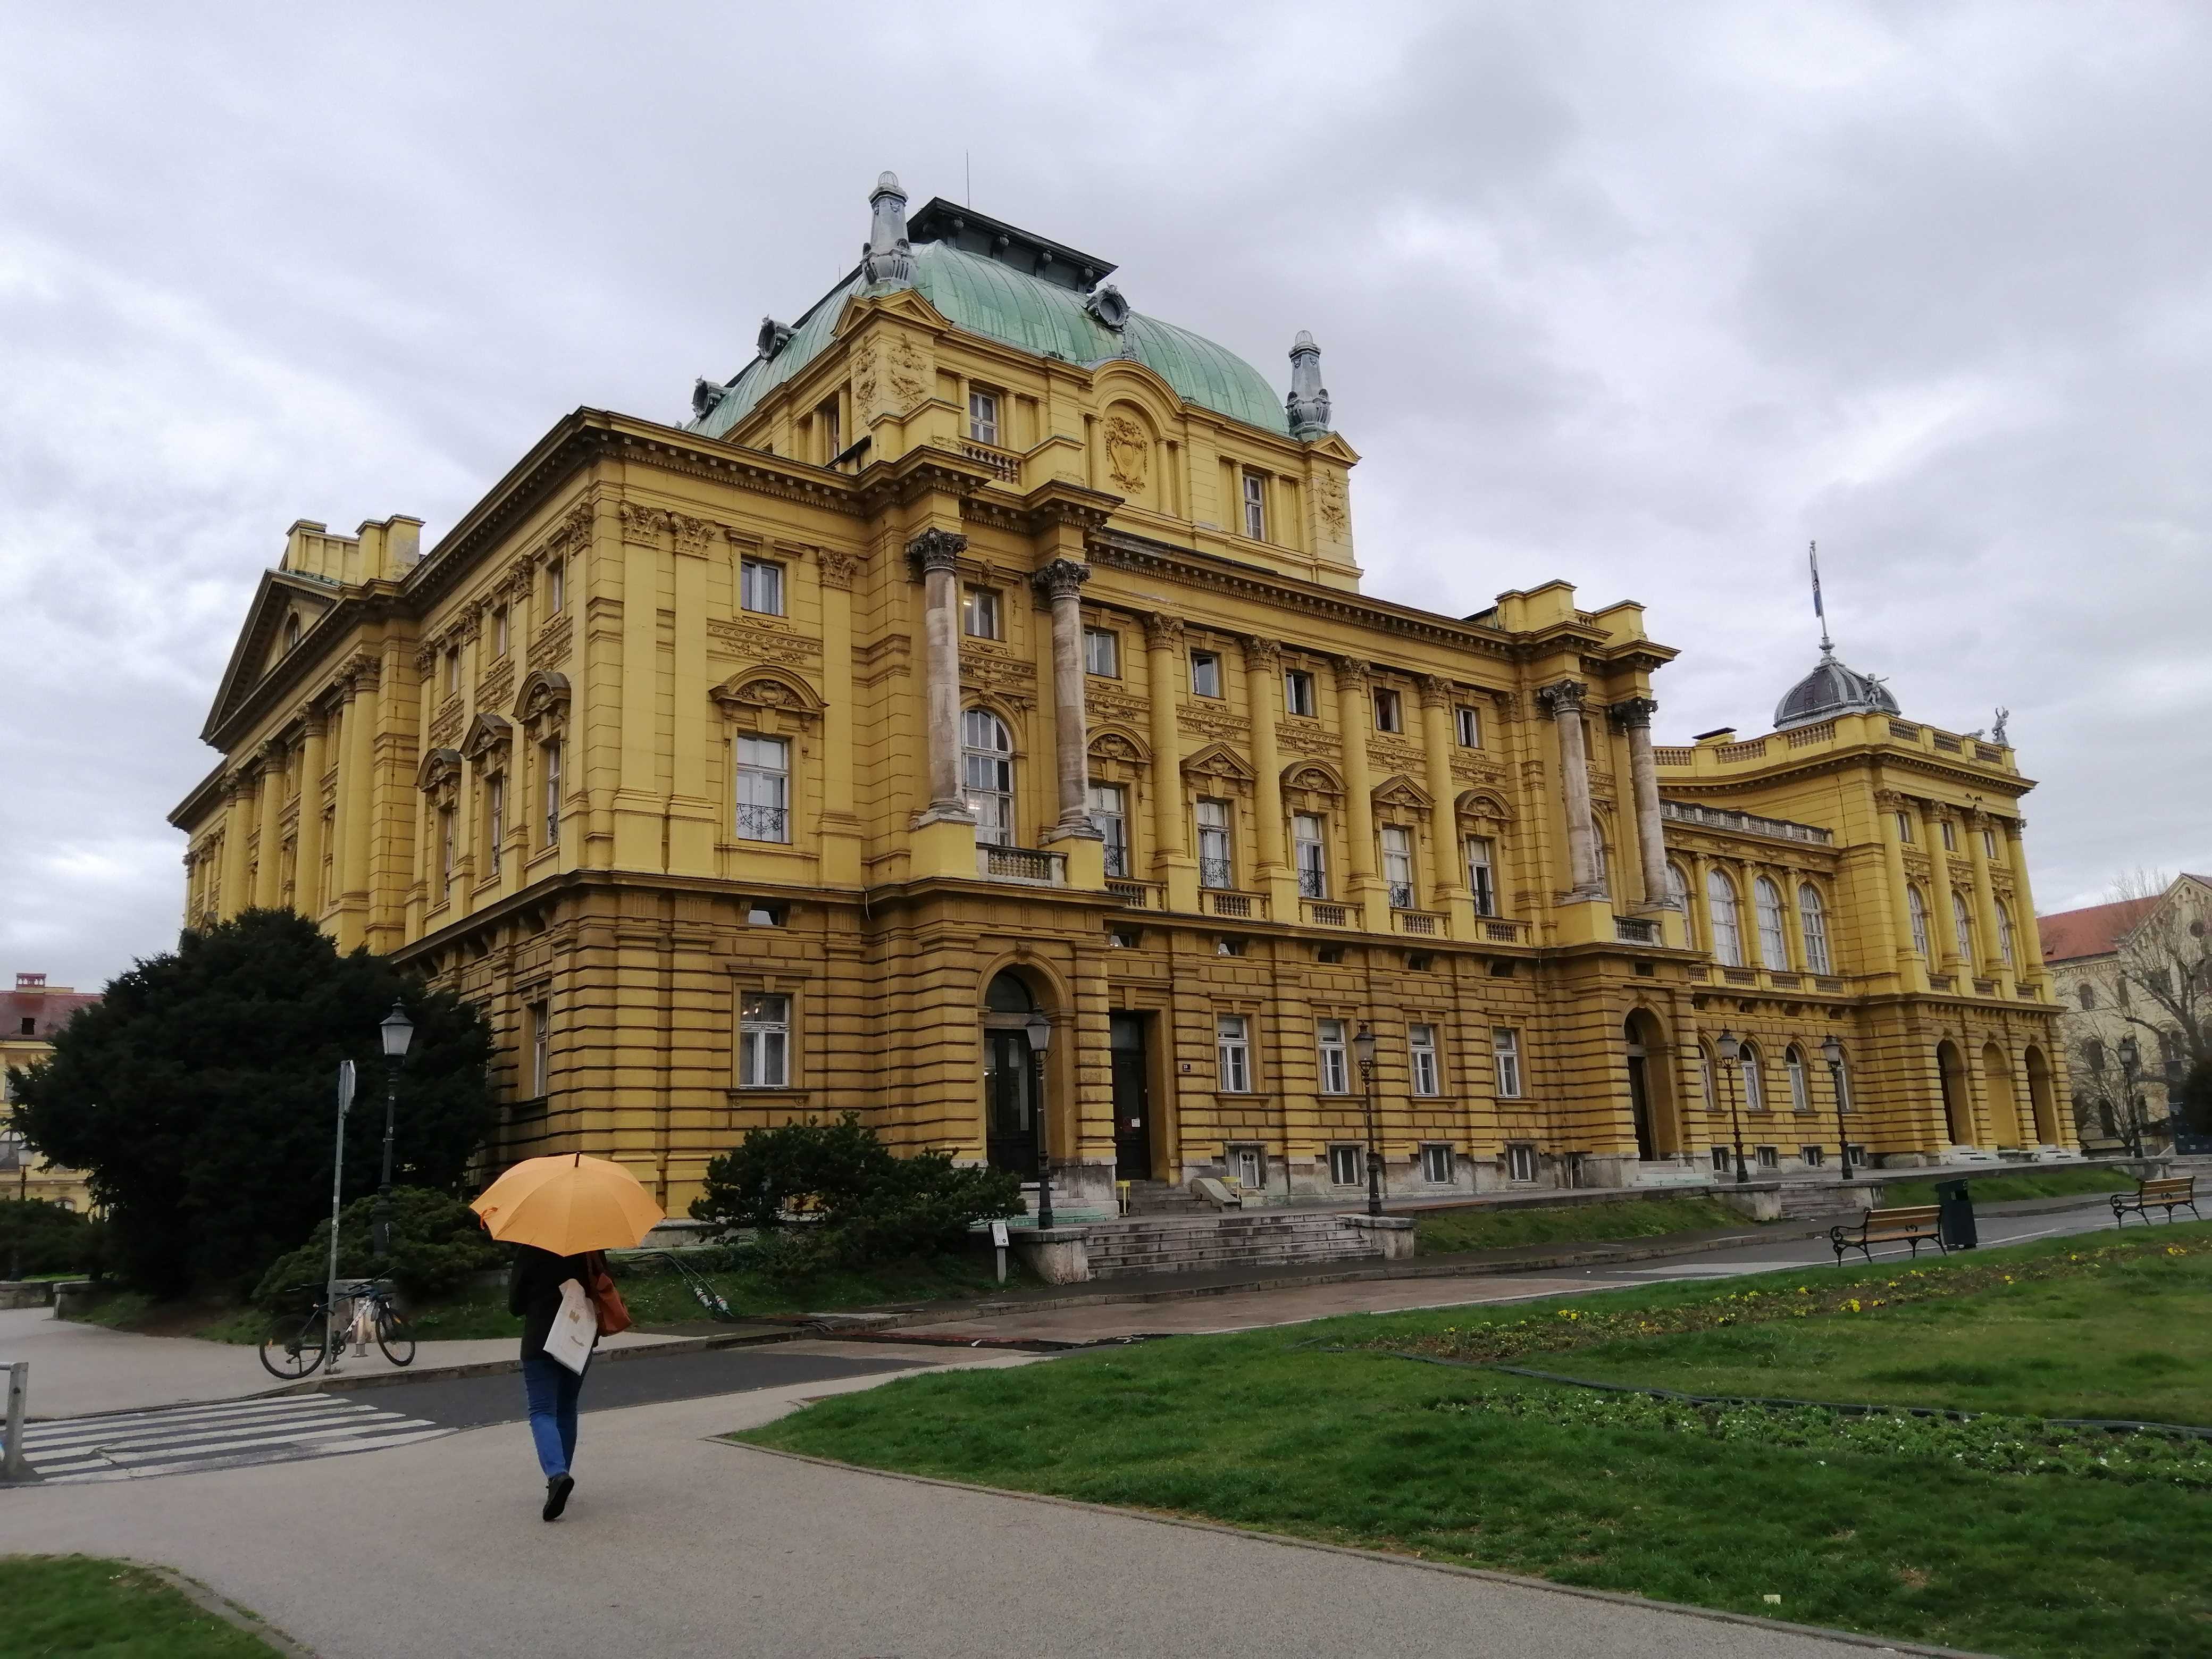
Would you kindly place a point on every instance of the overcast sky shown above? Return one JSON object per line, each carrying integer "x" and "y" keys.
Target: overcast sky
{"x": 1640, "y": 297}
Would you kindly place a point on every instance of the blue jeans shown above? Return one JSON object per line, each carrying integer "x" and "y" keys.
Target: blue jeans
{"x": 552, "y": 1388}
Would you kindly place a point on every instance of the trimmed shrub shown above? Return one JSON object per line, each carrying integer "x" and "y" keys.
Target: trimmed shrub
{"x": 38, "y": 1236}
{"x": 437, "y": 1242}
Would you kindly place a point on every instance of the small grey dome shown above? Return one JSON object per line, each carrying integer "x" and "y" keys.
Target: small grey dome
{"x": 1831, "y": 690}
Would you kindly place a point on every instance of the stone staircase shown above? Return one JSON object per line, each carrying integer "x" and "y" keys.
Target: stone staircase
{"x": 1826, "y": 1203}
{"x": 1164, "y": 1198}
{"x": 1233, "y": 1239}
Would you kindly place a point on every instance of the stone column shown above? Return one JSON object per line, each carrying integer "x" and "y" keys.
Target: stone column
{"x": 1563, "y": 702}
{"x": 641, "y": 811}
{"x": 307, "y": 835}
{"x": 1633, "y": 715}
{"x": 842, "y": 838}
{"x": 1449, "y": 884}
{"x": 1060, "y": 583}
{"x": 1355, "y": 717}
{"x": 1793, "y": 923}
{"x": 2025, "y": 939}
{"x": 1911, "y": 968}
{"x": 695, "y": 817}
{"x": 235, "y": 897}
{"x": 1985, "y": 904}
{"x": 269, "y": 874}
{"x": 1943, "y": 928}
{"x": 1263, "y": 675}
{"x": 1172, "y": 863}
{"x": 356, "y": 785}
{"x": 936, "y": 554}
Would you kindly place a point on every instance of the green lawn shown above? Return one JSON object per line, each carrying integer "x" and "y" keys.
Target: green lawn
{"x": 1491, "y": 1227}
{"x": 2054, "y": 1182}
{"x": 1914, "y": 1532}
{"x": 79, "y": 1604}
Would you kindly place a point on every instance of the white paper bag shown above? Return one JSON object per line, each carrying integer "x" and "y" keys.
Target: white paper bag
{"x": 575, "y": 1328}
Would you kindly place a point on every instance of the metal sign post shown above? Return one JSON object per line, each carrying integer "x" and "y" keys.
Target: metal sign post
{"x": 337, "y": 1190}
{"x": 15, "y": 1466}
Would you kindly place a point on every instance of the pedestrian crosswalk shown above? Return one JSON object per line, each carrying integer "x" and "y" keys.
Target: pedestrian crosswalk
{"x": 182, "y": 1439}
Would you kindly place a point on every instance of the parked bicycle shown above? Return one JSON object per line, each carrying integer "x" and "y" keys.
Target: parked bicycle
{"x": 365, "y": 1314}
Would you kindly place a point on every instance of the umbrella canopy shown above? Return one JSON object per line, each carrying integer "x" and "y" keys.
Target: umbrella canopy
{"x": 568, "y": 1205}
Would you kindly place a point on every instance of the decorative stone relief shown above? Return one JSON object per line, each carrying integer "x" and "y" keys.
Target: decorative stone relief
{"x": 909, "y": 372}
{"x": 840, "y": 570}
{"x": 1211, "y": 722}
{"x": 761, "y": 643}
{"x": 1330, "y": 505}
{"x": 642, "y": 524}
{"x": 1128, "y": 452}
{"x": 551, "y": 643}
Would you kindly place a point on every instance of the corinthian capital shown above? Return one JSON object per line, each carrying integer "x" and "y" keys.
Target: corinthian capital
{"x": 937, "y": 549}
{"x": 1352, "y": 671}
{"x": 1564, "y": 698}
{"x": 1435, "y": 691}
{"x": 1261, "y": 652}
{"x": 1633, "y": 714}
{"x": 1062, "y": 578}
{"x": 1163, "y": 631}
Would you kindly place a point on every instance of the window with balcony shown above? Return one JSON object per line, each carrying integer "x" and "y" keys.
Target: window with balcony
{"x": 1232, "y": 1048}
{"x": 1255, "y": 506}
{"x": 1506, "y": 1052}
{"x": 1917, "y": 908}
{"x": 1398, "y": 865}
{"x": 1109, "y": 813}
{"x": 1309, "y": 852}
{"x": 979, "y": 614}
{"x": 1466, "y": 725}
{"x": 1813, "y": 923}
{"x": 986, "y": 776}
{"x": 1721, "y": 907}
{"x": 763, "y": 789}
{"x": 1102, "y": 652}
{"x": 1773, "y": 938}
{"x": 1205, "y": 674}
{"x": 1216, "y": 865}
{"x": 549, "y": 767}
{"x": 760, "y": 584}
{"x": 1298, "y": 697}
{"x": 1390, "y": 710}
{"x": 1334, "y": 1056}
{"x": 1482, "y": 874}
{"x": 1427, "y": 1077}
{"x": 983, "y": 416}
{"x": 764, "y": 1041}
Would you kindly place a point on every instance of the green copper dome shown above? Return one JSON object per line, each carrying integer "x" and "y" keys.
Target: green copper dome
{"x": 984, "y": 296}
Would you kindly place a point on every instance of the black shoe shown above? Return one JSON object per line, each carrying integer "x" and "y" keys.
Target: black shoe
{"x": 557, "y": 1495}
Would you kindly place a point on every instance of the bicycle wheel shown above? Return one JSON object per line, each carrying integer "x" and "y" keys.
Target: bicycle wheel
{"x": 395, "y": 1336}
{"x": 299, "y": 1353}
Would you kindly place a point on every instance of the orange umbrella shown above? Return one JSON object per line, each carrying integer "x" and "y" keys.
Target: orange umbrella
{"x": 568, "y": 1205}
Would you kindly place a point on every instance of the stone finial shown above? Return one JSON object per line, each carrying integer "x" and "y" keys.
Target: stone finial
{"x": 1308, "y": 403}
{"x": 888, "y": 258}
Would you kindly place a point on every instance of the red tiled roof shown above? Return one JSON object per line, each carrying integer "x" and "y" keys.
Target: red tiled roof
{"x": 2093, "y": 931}
{"x": 47, "y": 1011}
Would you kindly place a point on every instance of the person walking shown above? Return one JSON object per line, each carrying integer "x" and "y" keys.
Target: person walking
{"x": 533, "y": 1291}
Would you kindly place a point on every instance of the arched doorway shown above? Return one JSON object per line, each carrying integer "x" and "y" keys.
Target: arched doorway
{"x": 2041, "y": 1100}
{"x": 2004, "y": 1101}
{"x": 1958, "y": 1115}
{"x": 1009, "y": 1089}
{"x": 1650, "y": 1086}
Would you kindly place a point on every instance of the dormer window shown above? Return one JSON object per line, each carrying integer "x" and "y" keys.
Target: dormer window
{"x": 983, "y": 416}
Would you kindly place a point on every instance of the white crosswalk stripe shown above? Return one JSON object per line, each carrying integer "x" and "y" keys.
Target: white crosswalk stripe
{"x": 177, "y": 1440}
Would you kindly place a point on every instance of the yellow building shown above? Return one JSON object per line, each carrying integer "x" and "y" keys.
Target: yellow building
{"x": 29, "y": 1017}
{"x": 987, "y": 649}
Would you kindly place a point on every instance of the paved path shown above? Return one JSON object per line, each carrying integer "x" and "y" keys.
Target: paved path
{"x": 678, "y": 1545}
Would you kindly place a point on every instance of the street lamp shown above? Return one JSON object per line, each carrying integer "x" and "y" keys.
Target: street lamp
{"x": 1039, "y": 1035}
{"x": 1730, "y": 1053}
{"x": 1832, "y": 1052}
{"x": 397, "y": 1031}
{"x": 1363, "y": 1049}
{"x": 2130, "y": 1062}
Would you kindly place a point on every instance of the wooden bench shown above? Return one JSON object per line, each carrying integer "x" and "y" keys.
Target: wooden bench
{"x": 1908, "y": 1224}
{"x": 2170, "y": 1194}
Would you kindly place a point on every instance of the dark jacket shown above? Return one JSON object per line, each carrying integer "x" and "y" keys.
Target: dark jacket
{"x": 533, "y": 1291}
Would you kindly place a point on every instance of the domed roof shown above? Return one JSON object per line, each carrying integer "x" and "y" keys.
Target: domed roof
{"x": 1831, "y": 690}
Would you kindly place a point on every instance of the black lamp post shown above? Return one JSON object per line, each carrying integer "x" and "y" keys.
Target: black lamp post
{"x": 1730, "y": 1053}
{"x": 1039, "y": 1035}
{"x": 1363, "y": 1049}
{"x": 397, "y": 1031}
{"x": 2131, "y": 1063}
{"x": 1832, "y": 1052}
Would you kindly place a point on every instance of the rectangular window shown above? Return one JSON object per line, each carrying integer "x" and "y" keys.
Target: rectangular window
{"x": 453, "y": 671}
{"x": 1810, "y": 1157}
{"x": 761, "y": 587}
{"x": 1310, "y": 852}
{"x": 983, "y": 416}
{"x": 1233, "y": 1055}
{"x": 541, "y": 1049}
{"x": 979, "y": 614}
{"x": 1390, "y": 710}
{"x": 1299, "y": 692}
{"x": 1421, "y": 1046}
{"x": 1109, "y": 813}
{"x": 1255, "y": 506}
{"x": 1989, "y": 842}
{"x": 549, "y": 763}
{"x": 556, "y": 585}
{"x": 1769, "y": 1159}
{"x": 765, "y": 1041}
{"x": 1251, "y": 1168}
{"x": 833, "y": 434}
{"x": 448, "y": 854}
{"x": 1102, "y": 652}
{"x": 1466, "y": 723}
{"x": 1950, "y": 835}
{"x": 498, "y": 632}
{"x": 1398, "y": 865}
{"x": 1344, "y": 1166}
{"x": 763, "y": 789}
{"x": 1720, "y": 1157}
{"x": 1335, "y": 1072}
{"x": 1217, "y": 867}
{"x": 1505, "y": 1047}
{"x": 1205, "y": 674}
{"x": 1481, "y": 874}
{"x": 494, "y": 817}
{"x": 1520, "y": 1163}
{"x": 1436, "y": 1165}
{"x": 1904, "y": 827}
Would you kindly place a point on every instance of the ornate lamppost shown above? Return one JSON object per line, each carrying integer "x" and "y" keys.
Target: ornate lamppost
{"x": 1363, "y": 1048}
{"x": 1731, "y": 1053}
{"x": 1832, "y": 1052}
{"x": 1039, "y": 1030}
{"x": 397, "y": 1031}
{"x": 2131, "y": 1063}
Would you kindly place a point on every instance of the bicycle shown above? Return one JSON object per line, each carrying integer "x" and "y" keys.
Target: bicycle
{"x": 365, "y": 1312}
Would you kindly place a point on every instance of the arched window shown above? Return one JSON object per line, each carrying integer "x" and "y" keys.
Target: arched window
{"x": 1963, "y": 925}
{"x": 1754, "y": 1090}
{"x": 1813, "y": 918}
{"x": 1720, "y": 903}
{"x": 2004, "y": 933}
{"x": 1918, "y": 907}
{"x": 1678, "y": 889}
{"x": 1773, "y": 940}
{"x": 1801, "y": 1096}
{"x": 2088, "y": 995}
{"x": 2093, "y": 1052}
{"x": 291, "y": 630}
{"x": 988, "y": 775}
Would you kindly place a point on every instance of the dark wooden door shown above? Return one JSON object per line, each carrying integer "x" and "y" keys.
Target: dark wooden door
{"x": 1639, "y": 1101}
{"x": 1132, "y": 1099}
{"x": 1009, "y": 1107}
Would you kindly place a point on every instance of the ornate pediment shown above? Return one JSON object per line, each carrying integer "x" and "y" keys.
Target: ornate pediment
{"x": 1221, "y": 763}
{"x": 285, "y": 609}
{"x": 768, "y": 687}
{"x": 1313, "y": 777}
{"x": 488, "y": 735}
{"x": 1484, "y": 803}
{"x": 440, "y": 767}
{"x": 544, "y": 691}
{"x": 1403, "y": 792}
{"x": 1112, "y": 743}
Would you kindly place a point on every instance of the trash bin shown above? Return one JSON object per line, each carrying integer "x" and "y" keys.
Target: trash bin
{"x": 1954, "y": 1217}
